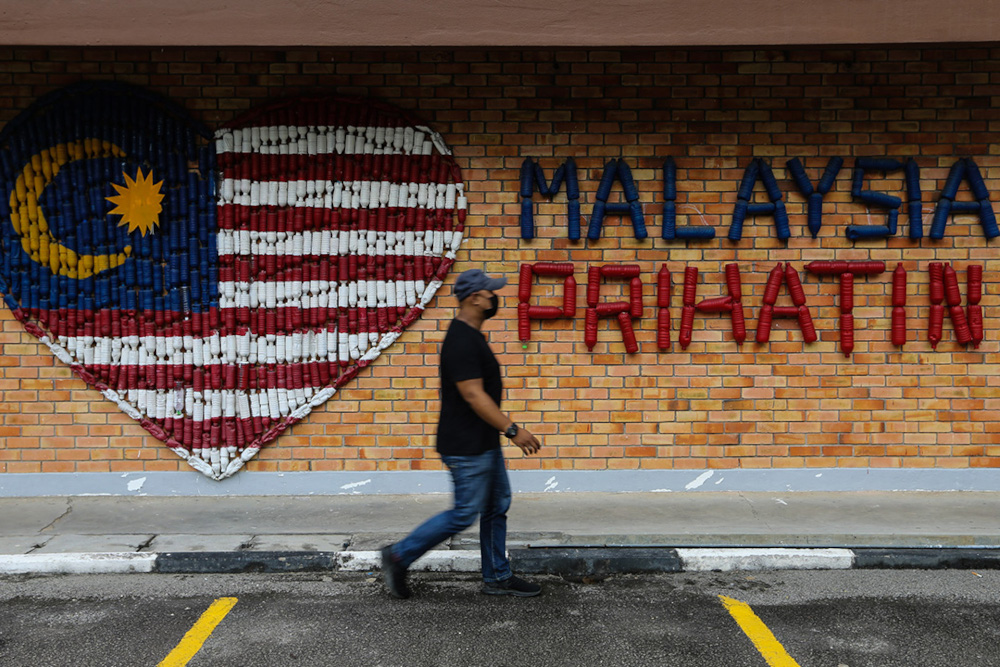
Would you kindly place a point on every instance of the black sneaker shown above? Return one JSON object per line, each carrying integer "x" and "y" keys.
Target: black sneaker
{"x": 394, "y": 575}
{"x": 514, "y": 586}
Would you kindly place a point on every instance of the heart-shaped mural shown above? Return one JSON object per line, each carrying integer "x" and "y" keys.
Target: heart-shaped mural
{"x": 218, "y": 288}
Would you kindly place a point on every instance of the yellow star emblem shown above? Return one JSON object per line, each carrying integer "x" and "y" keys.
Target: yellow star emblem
{"x": 138, "y": 202}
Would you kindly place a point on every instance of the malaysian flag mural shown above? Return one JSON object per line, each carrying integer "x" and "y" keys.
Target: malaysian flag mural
{"x": 218, "y": 287}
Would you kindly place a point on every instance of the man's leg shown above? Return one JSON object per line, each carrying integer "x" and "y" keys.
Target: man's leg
{"x": 493, "y": 523}
{"x": 497, "y": 577}
{"x": 470, "y": 479}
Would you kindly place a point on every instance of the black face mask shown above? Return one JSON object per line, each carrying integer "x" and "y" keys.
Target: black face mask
{"x": 492, "y": 310}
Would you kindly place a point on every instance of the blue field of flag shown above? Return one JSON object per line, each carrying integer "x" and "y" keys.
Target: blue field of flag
{"x": 70, "y": 239}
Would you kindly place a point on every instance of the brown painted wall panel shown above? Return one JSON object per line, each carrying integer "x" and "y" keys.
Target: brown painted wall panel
{"x": 495, "y": 23}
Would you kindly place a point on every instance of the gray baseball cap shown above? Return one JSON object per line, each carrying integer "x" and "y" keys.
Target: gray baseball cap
{"x": 473, "y": 280}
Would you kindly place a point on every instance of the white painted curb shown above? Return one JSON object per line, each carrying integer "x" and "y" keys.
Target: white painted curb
{"x": 725, "y": 560}
{"x": 78, "y": 563}
{"x": 432, "y": 561}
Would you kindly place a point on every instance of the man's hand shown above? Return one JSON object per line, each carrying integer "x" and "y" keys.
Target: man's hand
{"x": 528, "y": 443}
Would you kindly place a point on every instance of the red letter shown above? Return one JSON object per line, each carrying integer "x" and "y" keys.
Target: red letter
{"x": 526, "y": 312}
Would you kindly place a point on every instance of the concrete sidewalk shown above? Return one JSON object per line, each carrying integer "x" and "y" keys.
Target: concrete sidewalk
{"x": 561, "y": 533}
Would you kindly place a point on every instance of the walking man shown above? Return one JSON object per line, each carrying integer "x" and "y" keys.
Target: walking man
{"x": 468, "y": 440}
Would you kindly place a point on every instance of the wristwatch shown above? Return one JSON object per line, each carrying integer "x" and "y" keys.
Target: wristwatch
{"x": 511, "y": 431}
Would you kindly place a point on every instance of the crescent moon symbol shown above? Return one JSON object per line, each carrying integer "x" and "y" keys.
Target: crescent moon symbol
{"x": 29, "y": 221}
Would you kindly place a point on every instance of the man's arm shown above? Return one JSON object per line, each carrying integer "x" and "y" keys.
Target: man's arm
{"x": 475, "y": 395}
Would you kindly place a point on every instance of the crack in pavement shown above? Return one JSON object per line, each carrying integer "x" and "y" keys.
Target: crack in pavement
{"x": 69, "y": 510}
{"x": 36, "y": 547}
{"x": 753, "y": 510}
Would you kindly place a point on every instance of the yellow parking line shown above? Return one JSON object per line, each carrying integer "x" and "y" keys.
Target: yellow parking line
{"x": 199, "y": 633}
{"x": 758, "y": 633}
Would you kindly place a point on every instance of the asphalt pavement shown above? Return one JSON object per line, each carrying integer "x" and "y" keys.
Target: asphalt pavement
{"x": 863, "y": 618}
{"x": 568, "y": 534}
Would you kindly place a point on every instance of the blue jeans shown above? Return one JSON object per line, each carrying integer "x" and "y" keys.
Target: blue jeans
{"x": 481, "y": 489}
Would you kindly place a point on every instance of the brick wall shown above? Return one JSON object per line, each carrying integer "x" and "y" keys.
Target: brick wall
{"x": 715, "y": 404}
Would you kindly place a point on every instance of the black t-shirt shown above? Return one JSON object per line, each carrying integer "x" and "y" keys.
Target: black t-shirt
{"x": 465, "y": 355}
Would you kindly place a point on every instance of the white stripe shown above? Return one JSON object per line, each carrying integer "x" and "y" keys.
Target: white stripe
{"x": 201, "y": 406}
{"x": 340, "y": 194}
{"x": 319, "y": 294}
{"x": 77, "y": 563}
{"x": 432, "y": 561}
{"x": 725, "y": 560}
{"x": 325, "y": 139}
{"x": 332, "y": 243}
{"x": 436, "y": 139}
{"x": 429, "y": 292}
{"x": 248, "y": 349}
{"x": 317, "y": 400}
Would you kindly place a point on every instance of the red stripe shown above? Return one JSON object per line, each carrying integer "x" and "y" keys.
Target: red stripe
{"x": 277, "y": 321}
{"x": 215, "y": 432}
{"x": 217, "y": 377}
{"x": 433, "y": 168}
{"x": 225, "y": 321}
{"x": 343, "y": 268}
{"x": 119, "y": 323}
{"x": 220, "y": 431}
